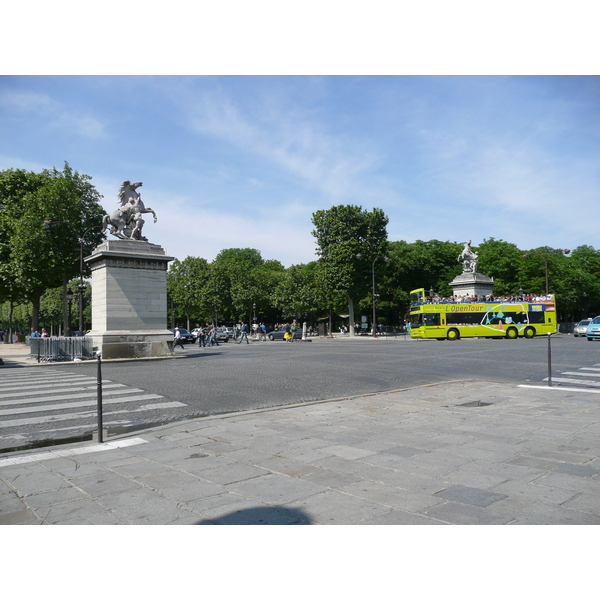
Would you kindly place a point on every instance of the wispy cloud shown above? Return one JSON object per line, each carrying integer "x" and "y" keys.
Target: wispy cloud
{"x": 284, "y": 135}
{"x": 52, "y": 113}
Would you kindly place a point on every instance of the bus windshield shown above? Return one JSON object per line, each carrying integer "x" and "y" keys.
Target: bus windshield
{"x": 417, "y": 296}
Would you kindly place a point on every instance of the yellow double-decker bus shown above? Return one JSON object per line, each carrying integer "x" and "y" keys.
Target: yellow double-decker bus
{"x": 446, "y": 320}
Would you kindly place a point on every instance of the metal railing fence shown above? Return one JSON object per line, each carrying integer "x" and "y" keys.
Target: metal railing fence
{"x": 61, "y": 348}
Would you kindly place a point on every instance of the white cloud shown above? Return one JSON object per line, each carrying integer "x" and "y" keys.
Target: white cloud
{"x": 286, "y": 137}
{"x": 53, "y": 114}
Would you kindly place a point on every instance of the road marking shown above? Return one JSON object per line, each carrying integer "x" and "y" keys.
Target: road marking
{"x": 61, "y": 382}
{"x": 19, "y": 460}
{"x": 581, "y": 374}
{"x": 69, "y": 397}
{"x": 571, "y": 380}
{"x": 64, "y": 389}
{"x": 560, "y": 388}
{"x": 32, "y": 409}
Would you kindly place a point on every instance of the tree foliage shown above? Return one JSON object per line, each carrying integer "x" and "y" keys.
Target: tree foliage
{"x": 34, "y": 258}
{"x": 348, "y": 240}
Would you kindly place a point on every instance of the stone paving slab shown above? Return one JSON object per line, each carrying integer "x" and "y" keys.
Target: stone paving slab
{"x": 412, "y": 457}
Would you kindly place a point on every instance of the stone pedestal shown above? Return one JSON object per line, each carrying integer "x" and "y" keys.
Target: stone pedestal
{"x": 129, "y": 299}
{"x": 471, "y": 284}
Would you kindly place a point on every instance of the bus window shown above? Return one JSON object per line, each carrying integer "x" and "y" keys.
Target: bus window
{"x": 431, "y": 319}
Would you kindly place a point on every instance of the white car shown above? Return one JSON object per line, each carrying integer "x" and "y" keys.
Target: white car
{"x": 581, "y": 328}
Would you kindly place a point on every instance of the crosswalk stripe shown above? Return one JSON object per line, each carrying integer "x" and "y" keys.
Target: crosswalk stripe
{"x": 581, "y": 374}
{"x": 32, "y": 409}
{"x": 67, "y": 389}
{"x": 90, "y": 394}
{"x": 55, "y": 384}
{"x": 85, "y": 415}
{"x": 571, "y": 380}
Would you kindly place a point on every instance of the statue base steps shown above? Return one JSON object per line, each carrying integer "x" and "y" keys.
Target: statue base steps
{"x": 133, "y": 344}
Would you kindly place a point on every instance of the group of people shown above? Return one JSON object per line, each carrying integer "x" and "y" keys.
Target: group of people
{"x": 488, "y": 298}
{"x": 36, "y": 334}
{"x": 207, "y": 335}
{"x": 289, "y": 331}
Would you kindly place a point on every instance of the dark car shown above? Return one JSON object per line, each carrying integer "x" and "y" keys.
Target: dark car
{"x": 186, "y": 336}
{"x": 278, "y": 335}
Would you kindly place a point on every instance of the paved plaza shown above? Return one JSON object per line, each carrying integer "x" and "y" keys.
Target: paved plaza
{"x": 467, "y": 452}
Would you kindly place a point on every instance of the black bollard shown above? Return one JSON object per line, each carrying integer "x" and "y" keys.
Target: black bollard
{"x": 549, "y": 362}
{"x": 99, "y": 386}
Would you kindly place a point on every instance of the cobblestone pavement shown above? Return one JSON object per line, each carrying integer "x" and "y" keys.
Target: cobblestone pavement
{"x": 464, "y": 452}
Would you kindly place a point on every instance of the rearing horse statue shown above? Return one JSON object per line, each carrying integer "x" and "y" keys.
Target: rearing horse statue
{"x": 127, "y": 222}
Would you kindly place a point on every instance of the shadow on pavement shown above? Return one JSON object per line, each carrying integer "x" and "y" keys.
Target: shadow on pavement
{"x": 261, "y": 515}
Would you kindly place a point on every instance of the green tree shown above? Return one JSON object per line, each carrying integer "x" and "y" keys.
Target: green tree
{"x": 35, "y": 257}
{"x": 299, "y": 291}
{"x": 501, "y": 260}
{"x": 420, "y": 264}
{"x": 343, "y": 232}
{"x": 186, "y": 281}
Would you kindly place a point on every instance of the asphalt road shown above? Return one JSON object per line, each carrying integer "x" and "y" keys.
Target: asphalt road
{"x": 235, "y": 377}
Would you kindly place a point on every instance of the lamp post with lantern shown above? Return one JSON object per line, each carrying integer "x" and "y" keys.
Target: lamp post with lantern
{"x": 385, "y": 259}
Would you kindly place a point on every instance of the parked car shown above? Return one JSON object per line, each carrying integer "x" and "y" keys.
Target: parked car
{"x": 186, "y": 336}
{"x": 581, "y": 328}
{"x": 278, "y": 335}
{"x": 593, "y": 330}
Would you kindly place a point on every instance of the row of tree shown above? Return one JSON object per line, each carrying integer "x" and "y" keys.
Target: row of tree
{"x": 240, "y": 285}
{"x": 44, "y": 217}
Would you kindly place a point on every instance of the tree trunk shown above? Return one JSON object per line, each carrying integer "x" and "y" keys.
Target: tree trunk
{"x": 351, "y": 315}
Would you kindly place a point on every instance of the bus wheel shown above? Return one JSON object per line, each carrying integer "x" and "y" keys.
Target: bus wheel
{"x": 529, "y": 332}
{"x": 453, "y": 334}
{"x": 512, "y": 333}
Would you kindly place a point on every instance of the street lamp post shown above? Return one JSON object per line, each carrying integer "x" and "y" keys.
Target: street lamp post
{"x": 385, "y": 259}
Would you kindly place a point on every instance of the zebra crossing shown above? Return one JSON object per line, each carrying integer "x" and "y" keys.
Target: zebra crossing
{"x": 50, "y": 404}
{"x": 584, "y": 377}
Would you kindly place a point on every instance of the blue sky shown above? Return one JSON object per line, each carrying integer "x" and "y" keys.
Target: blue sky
{"x": 244, "y": 161}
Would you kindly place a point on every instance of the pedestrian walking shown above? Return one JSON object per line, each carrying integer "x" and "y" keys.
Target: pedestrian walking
{"x": 244, "y": 333}
{"x": 293, "y": 330}
{"x": 178, "y": 340}
{"x": 211, "y": 334}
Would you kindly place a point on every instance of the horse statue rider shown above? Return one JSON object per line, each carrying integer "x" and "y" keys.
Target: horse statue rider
{"x": 126, "y": 222}
{"x": 470, "y": 259}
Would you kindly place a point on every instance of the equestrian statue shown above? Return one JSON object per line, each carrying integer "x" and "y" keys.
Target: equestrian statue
{"x": 126, "y": 222}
